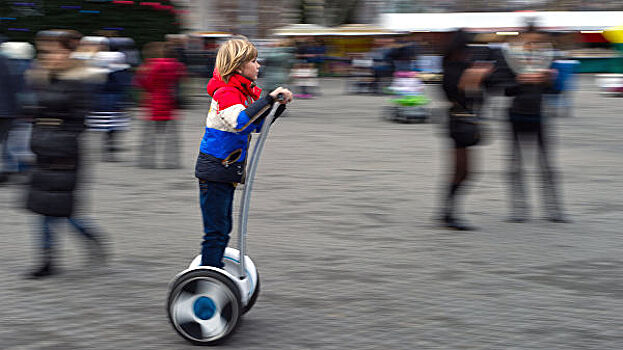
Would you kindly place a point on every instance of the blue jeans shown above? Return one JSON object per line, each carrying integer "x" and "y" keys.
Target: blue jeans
{"x": 216, "y": 199}
{"x": 47, "y": 240}
{"x": 5, "y": 127}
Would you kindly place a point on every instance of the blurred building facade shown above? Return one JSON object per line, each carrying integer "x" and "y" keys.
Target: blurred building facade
{"x": 500, "y": 6}
{"x": 256, "y": 18}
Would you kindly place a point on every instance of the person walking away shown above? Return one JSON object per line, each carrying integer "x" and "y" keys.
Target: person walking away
{"x": 17, "y": 156}
{"x": 109, "y": 115}
{"x": 158, "y": 77}
{"x": 8, "y": 109}
{"x": 60, "y": 85}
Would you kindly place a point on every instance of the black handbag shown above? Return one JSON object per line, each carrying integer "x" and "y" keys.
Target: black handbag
{"x": 465, "y": 129}
{"x": 210, "y": 168}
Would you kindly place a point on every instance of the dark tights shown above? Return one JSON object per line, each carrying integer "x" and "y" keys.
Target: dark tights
{"x": 461, "y": 171}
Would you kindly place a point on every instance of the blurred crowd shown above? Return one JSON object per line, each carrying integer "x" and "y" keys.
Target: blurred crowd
{"x": 117, "y": 79}
{"x": 67, "y": 83}
{"x": 530, "y": 69}
{"x": 372, "y": 65}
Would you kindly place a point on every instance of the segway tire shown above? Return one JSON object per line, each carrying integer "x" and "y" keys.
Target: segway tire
{"x": 254, "y": 296}
{"x": 204, "y": 307}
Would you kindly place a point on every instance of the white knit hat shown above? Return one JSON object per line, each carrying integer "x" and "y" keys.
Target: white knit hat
{"x": 94, "y": 40}
{"x": 18, "y": 50}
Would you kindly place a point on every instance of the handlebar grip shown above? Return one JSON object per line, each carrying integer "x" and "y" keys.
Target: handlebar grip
{"x": 280, "y": 97}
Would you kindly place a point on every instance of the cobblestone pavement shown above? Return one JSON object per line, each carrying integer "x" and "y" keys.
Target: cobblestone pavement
{"x": 342, "y": 230}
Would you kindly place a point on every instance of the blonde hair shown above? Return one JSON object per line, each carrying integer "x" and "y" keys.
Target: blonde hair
{"x": 232, "y": 55}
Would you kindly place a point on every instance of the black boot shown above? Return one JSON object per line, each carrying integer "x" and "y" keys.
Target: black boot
{"x": 46, "y": 268}
{"x": 559, "y": 218}
{"x": 448, "y": 218}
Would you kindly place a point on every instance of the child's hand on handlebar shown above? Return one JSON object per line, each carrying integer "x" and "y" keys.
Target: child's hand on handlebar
{"x": 287, "y": 95}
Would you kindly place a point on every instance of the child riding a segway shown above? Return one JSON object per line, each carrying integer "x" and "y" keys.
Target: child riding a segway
{"x": 206, "y": 300}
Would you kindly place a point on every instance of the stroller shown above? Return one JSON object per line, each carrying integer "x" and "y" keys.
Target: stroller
{"x": 409, "y": 104}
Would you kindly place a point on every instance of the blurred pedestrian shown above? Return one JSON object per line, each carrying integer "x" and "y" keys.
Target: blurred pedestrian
{"x": 276, "y": 65}
{"x": 462, "y": 80}
{"x": 361, "y": 74}
{"x": 18, "y": 157}
{"x": 403, "y": 54}
{"x": 176, "y": 44}
{"x": 304, "y": 72}
{"x": 89, "y": 46}
{"x": 110, "y": 101}
{"x": 127, "y": 46}
{"x": 305, "y": 79}
{"x": 526, "y": 66}
{"x": 159, "y": 77}
{"x": 236, "y": 111}
{"x": 382, "y": 65}
{"x": 8, "y": 109}
{"x": 61, "y": 87}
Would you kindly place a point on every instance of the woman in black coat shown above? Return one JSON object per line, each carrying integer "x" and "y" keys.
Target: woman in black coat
{"x": 60, "y": 86}
{"x": 462, "y": 81}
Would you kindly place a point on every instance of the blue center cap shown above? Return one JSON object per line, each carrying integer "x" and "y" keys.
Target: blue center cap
{"x": 204, "y": 308}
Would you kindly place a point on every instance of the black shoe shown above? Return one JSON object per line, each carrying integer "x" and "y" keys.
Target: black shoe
{"x": 517, "y": 219}
{"x": 456, "y": 224}
{"x": 559, "y": 219}
{"x": 44, "y": 271}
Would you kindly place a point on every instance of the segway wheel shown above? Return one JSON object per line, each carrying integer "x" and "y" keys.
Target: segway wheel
{"x": 204, "y": 307}
{"x": 254, "y": 296}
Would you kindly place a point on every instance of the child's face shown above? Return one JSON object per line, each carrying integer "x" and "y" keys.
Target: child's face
{"x": 250, "y": 69}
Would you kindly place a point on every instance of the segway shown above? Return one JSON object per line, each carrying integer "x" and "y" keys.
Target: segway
{"x": 205, "y": 303}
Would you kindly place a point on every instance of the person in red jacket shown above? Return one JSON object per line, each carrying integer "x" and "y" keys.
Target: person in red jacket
{"x": 159, "y": 76}
{"x": 235, "y": 112}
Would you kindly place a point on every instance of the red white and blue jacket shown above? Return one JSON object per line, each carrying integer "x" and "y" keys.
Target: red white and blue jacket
{"x": 235, "y": 112}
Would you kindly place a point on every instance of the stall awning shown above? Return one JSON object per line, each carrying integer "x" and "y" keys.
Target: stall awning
{"x": 501, "y": 21}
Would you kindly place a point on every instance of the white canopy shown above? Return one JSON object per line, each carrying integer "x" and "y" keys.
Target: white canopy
{"x": 360, "y": 30}
{"x": 343, "y": 30}
{"x": 302, "y": 29}
{"x": 489, "y": 21}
